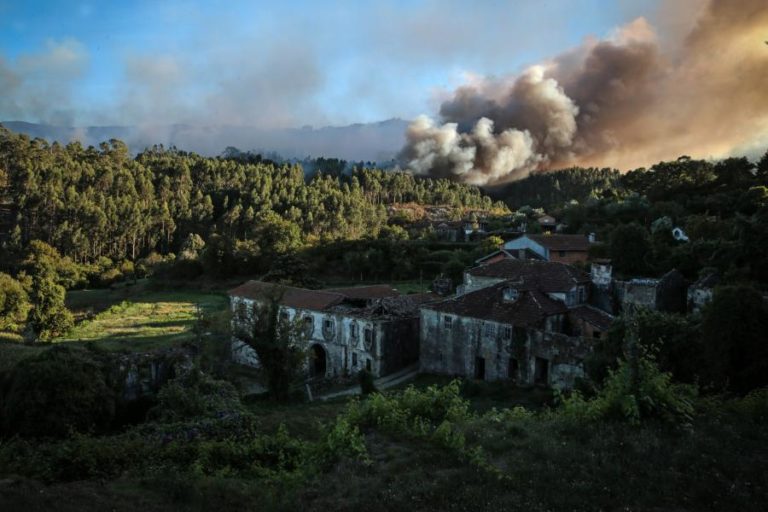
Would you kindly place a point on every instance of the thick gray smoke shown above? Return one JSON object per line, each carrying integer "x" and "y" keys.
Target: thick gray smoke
{"x": 630, "y": 100}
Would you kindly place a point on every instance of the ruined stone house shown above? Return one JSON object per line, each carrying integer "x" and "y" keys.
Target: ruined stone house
{"x": 346, "y": 329}
{"x": 526, "y": 321}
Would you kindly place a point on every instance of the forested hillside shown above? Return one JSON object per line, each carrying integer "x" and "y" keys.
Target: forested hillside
{"x": 100, "y": 202}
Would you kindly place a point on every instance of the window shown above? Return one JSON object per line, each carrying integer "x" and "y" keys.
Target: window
{"x": 541, "y": 371}
{"x": 308, "y": 326}
{"x": 561, "y": 254}
{"x": 596, "y": 335}
{"x": 353, "y": 330}
{"x": 368, "y": 338}
{"x": 354, "y": 359}
{"x": 507, "y": 332}
{"x": 447, "y": 321}
{"x": 328, "y": 329}
{"x": 582, "y": 294}
{"x": 512, "y": 369}
{"x": 490, "y": 329}
{"x": 480, "y": 368}
{"x": 283, "y": 316}
{"x": 368, "y": 364}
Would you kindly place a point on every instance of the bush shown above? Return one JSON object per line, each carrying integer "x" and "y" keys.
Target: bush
{"x": 62, "y": 390}
{"x": 196, "y": 395}
{"x": 367, "y": 385}
{"x": 633, "y": 393}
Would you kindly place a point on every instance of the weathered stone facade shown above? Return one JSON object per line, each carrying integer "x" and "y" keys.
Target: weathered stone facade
{"x": 476, "y": 348}
{"x": 343, "y": 337}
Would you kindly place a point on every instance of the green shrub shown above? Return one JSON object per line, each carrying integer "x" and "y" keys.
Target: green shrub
{"x": 62, "y": 390}
{"x": 634, "y": 394}
{"x": 195, "y": 395}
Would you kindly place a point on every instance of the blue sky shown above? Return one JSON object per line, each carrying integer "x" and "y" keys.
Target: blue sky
{"x": 273, "y": 64}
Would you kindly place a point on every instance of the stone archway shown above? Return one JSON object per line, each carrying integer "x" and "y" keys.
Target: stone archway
{"x": 317, "y": 361}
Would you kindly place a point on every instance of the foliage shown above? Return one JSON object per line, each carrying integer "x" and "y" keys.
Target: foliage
{"x": 49, "y": 317}
{"x": 60, "y": 391}
{"x": 195, "y": 395}
{"x": 279, "y": 343}
{"x": 735, "y": 347}
{"x": 14, "y": 304}
{"x": 629, "y": 246}
{"x": 367, "y": 385}
{"x": 636, "y": 391}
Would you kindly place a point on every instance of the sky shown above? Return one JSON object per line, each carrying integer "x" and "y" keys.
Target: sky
{"x": 274, "y": 64}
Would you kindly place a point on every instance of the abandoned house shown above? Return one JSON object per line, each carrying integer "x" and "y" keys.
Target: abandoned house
{"x": 347, "y": 329}
{"x": 700, "y": 293}
{"x": 563, "y": 282}
{"x": 560, "y": 248}
{"x": 667, "y": 293}
{"x": 526, "y": 321}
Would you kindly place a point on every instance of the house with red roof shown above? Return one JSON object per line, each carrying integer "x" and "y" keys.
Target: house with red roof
{"x": 346, "y": 329}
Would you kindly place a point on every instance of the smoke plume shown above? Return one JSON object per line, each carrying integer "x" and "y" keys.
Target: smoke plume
{"x": 637, "y": 97}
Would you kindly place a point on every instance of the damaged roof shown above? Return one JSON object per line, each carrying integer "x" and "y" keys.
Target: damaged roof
{"x": 376, "y": 291}
{"x": 530, "y": 308}
{"x": 546, "y": 276}
{"x": 593, "y": 316}
{"x": 298, "y": 298}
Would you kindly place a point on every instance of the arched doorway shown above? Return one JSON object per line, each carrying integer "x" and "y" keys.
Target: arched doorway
{"x": 317, "y": 361}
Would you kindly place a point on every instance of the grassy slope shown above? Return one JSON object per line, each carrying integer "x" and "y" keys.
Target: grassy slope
{"x": 132, "y": 318}
{"x": 149, "y": 320}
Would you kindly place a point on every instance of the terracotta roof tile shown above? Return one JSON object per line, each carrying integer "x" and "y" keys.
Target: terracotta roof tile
{"x": 531, "y": 307}
{"x": 377, "y": 291}
{"x": 299, "y": 298}
{"x": 593, "y": 316}
{"x": 562, "y": 242}
{"x": 547, "y": 276}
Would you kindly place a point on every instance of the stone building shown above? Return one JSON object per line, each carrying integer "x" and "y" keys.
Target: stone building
{"x": 700, "y": 293}
{"x": 667, "y": 293}
{"x": 526, "y": 321}
{"x": 561, "y": 248}
{"x": 561, "y": 281}
{"x": 346, "y": 329}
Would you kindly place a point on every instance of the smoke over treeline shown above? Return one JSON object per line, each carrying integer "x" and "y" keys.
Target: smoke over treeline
{"x": 637, "y": 97}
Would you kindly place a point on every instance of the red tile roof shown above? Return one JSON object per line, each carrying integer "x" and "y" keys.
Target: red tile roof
{"x": 376, "y": 291}
{"x": 298, "y": 298}
{"x": 546, "y": 276}
{"x": 530, "y": 309}
{"x": 562, "y": 242}
{"x": 593, "y": 316}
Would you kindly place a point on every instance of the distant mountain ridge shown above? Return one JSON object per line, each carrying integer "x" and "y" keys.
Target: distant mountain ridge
{"x": 378, "y": 141}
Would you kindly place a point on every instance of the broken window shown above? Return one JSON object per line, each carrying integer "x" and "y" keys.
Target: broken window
{"x": 541, "y": 371}
{"x": 480, "y": 368}
{"x": 447, "y": 321}
{"x": 513, "y": 369}
{"x": 368, "y": 338}
{"x": 328, "y": 328}
{"x": 309, "y": 325}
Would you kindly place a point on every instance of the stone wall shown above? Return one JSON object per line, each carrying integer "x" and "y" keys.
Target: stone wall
{"x": 391, "y": 344}
{"x": 475, "y": 348}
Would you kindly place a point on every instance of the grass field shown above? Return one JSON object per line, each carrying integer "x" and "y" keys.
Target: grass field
{"x": 145, "y": 320}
